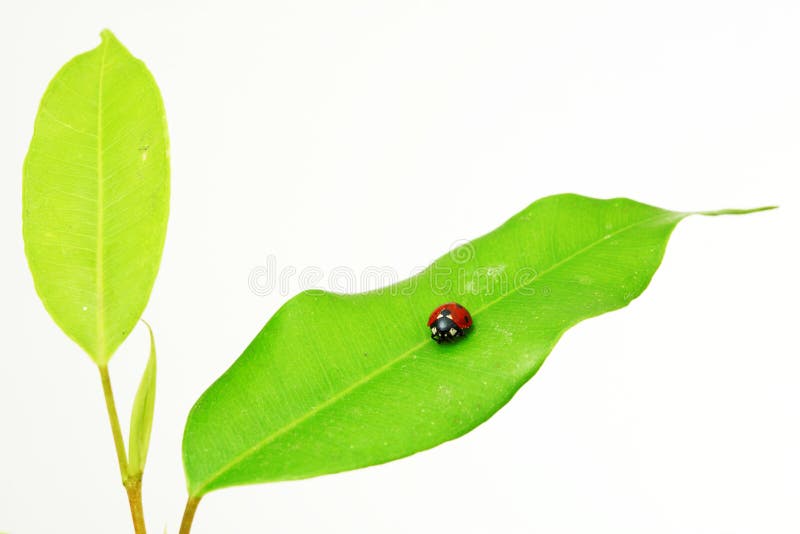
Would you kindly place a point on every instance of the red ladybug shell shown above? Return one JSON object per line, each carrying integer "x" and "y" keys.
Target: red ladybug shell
{"x": 458, "y": 314}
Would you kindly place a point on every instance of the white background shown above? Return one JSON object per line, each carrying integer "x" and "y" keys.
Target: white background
{"x": 378, "y": 133}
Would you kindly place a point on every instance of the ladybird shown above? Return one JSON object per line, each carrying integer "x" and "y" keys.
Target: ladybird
{"x": 449, "y": 321}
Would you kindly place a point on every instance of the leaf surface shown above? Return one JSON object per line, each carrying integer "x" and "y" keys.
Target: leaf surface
{"x": 142, "y": 414}
{"x": 96, "y": 196}
{"x": 337, "y": 382}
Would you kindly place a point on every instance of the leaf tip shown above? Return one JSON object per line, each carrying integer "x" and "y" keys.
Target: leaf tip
{"x": 107, "y": 35}
{"x": 735, "y": 211}
{"x": 108, "y": 39}
{"x": 150, "y": 331}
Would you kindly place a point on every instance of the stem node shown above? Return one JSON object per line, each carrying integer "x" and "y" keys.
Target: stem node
{"x": 132, "y": 484}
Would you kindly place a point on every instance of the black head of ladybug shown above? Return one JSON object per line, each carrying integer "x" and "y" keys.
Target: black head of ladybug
{"x": 449, "y": 321}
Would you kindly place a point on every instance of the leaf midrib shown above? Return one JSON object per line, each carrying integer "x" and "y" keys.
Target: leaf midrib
{"x": 99, "y": 273}
{"x": 387, "y": 366}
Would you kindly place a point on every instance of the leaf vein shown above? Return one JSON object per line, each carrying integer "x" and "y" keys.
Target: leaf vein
{"x": 65, "y": 124}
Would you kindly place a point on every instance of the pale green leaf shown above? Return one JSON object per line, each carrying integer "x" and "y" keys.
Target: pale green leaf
{"x": 96, "y": 196}
{"x": 337, "y": 382}
{"x": 142, "y": 414}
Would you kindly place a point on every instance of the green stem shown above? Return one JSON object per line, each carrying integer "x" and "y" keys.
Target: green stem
{"x": 113, "y": 419}
{"x": 133, "y": 485}
{"x": 188, "y": 514}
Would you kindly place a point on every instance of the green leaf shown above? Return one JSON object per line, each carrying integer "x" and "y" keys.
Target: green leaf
{"x": 96, "y": 196}
{"x": 337, "y": 382}
{"x": 142, "y": 414}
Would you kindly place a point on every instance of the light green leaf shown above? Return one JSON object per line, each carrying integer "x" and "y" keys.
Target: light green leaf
{"x": 142, "y": 414}
{"x": 337, "y": 382}
{"x": 96, "y": 196}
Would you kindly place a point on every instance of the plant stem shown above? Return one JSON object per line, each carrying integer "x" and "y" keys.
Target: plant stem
{"x": 133, "y": 485}
{"x": 188, "y": 514}
{"x": 134, "y": 488}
